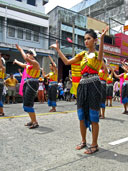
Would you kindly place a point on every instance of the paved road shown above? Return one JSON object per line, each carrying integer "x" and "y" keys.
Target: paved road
{"x": 51, "y": 147}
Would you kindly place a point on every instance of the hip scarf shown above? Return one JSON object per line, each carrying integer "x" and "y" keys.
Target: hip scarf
{"x": 1, "y": 91}
{"x": 109, "y": 91}
{"x": 124, "y": 93}
{"x": 103, "y": 94}
{"x": 52, "y": 92}
{"x": 29, "y": 92}
{"x": 88, "y": 99}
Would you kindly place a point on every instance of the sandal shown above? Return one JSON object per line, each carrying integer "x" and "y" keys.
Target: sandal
{"x": 1, "y": 114}
{"x": 34, "y": 125}
{"x": 81, "y": 146}
{"x": 52, "y": 110}
{"x": 28, "y": 124}
{"x": 92, "y": 149}
{"x": 102, "y": 117}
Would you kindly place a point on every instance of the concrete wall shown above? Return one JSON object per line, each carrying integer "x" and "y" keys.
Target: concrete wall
{"x": 105, "y": 9}
{"x": 39, "y": 8}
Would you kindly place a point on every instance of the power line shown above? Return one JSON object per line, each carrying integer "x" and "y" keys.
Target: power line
{"x": 42, "y": 35}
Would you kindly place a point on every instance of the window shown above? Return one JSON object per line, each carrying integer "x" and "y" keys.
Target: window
{"x": 80, "y": 43}
{"x": 31, "y": 2}
{"x": 28, "y": 35}
{"x": 19, "y": 0}
{"x": 66, "y": 35}
{"x": 11, "y": 31}
{"x": 36, "y": 37}
{"x": 19, "y": 33}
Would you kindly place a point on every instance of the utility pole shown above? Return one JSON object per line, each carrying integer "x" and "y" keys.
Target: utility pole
{"x": 73, "y": 36}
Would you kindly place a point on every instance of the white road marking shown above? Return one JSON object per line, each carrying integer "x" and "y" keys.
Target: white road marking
{"x": 119, "y": 141}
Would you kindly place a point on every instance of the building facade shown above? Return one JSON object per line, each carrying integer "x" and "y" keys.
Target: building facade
{"x": 25, "y": 23}
{"x": 112, "y": 12}
{"x": 69, "y": 28}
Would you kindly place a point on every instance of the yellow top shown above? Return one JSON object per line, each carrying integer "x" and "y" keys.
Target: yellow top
{"x": 2, "y": 74}
{"x": 52, "y": 76}
{"x": 125, "y": 76}
{"x": 32, "y": 72}
{"x": 11, "y": 82}
{"x": 103, "y": 75}
{"x": 110, "y": 79}
{"x": 91, "y": 62}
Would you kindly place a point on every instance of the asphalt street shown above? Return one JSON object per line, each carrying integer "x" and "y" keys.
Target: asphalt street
{"x": 51, "y": 147}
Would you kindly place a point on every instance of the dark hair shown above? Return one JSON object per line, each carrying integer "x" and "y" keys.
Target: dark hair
{"x": 29, "y": 52}
{"x": 92, "y": 33}
{"x": 51, "y": 63}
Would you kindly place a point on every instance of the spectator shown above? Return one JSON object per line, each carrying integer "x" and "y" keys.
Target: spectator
{"x": 46, "y": 89}
{"x": 41, "y": 90}
{"x": 116, "y": 88}
{"x": 68, "y": 88}
{"x": 61, "y": 92}
{"x": 11, "y": 84}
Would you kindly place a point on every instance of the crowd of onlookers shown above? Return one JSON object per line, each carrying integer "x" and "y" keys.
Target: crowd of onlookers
{"x": 10, "y": 90}
{"x": 12, "y": 84}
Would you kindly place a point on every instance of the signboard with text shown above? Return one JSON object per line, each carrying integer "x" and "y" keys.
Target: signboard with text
{"x": 112, "y": 49}
{"x": 121, "y": 40}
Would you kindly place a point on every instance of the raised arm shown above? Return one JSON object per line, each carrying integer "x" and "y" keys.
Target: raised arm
{"x": 19, "y": 63}
{"x": 21, "y": 51}
{"x": 100, "y": 56}
{"x": 43, "y": 73}
{"x": 32, "y": 62}
{"x": 1, "y": 65}
{"x": 105, "y": 67}
{"x": 113, "y": 72}
{"x": 62, "y": 56}
{"x": 53, "y": 63}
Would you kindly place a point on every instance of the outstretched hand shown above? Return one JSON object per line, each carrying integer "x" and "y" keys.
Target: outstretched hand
{"x": 18, "y": 47}
{"x": 104, "y": 32}
{"x": 55, "y": 46}
{"x": 14, "y": 62}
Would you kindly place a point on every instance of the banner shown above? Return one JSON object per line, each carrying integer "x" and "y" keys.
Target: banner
{"x": 125, "y": 28}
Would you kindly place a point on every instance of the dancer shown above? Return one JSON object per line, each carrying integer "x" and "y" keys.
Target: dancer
{"x": 31, "y": 84}
{"x": 2, "y": 74}
{"x": 109, "y": 89}
{"x": 124, "y": 88}
{"x": 88, "y": 91}
{"x": 52, "y": 89}
{"x": 103, "y": 74}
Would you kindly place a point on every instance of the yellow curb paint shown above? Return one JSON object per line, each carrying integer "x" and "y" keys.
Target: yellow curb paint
{"x": 39, "y": 114}
{"x": 113, "y": 107}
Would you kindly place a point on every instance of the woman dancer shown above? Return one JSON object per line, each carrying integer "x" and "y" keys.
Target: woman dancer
{"x": 103, "y": 74}
{"x": 52, "y": 89}
{"x": 30, "y": 87}
{"x": 124, "y": 88}
{"x": 2, "y": 74}
{"x": 109, "y": 89}
{"x": 88, "y": 92}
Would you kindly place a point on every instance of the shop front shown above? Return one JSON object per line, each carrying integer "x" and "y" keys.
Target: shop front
{"x": 113, "y": 56}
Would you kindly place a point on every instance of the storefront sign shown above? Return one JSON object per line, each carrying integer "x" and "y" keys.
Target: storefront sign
{"x": 121, "y": 40}
{"x": 112, "y": 49}
{"x": 125, "y": 28}
{"x": 115, "y": 67}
